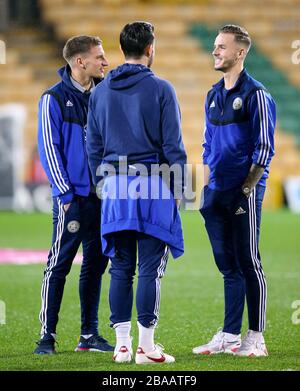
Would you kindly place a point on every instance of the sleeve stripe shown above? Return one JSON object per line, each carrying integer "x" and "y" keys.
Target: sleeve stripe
{"x": 264, "y": 125}
{"x": 53, "y": 150}
{"x": 49, "y": 149}
{"x": 265, "y": 110}
{"x": 204, "y": 139}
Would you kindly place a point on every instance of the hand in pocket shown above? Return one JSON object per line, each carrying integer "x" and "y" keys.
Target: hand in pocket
{"x": 66, "y": 207}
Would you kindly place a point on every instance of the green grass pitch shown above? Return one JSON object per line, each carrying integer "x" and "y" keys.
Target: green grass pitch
{"x": 191, "y": 306}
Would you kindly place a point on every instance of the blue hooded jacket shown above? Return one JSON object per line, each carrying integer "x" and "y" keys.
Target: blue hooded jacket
{"x": 135, "y": 114}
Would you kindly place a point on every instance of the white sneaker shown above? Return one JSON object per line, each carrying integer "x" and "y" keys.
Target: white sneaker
{"x": 156, "y": 356}
{"x": 252, "y": 346}
{"x": 124, "y": 354}
{"x": 220, "y": 343}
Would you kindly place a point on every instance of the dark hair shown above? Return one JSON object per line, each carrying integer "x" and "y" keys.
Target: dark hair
{"x": 241, "y": 35}
{"x": 79, "y": 44}
{"x": 135, "y": 37}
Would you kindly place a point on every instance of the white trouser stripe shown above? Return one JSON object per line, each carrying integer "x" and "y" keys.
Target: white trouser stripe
{"x": 262, "y": 276}
{"x": 256, "y": 262}
{"x": 160, "y": 272}
{"x": 43, "y": 314}
{"x": 52, "y": 263}
{"x": 45, "y": 280}
{"x": 253, "y": 250}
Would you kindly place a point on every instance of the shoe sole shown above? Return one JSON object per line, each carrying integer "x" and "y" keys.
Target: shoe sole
{"x": 125, "y": 361}
{"x": 252, "y": 355}
{"x": 122, "y": 362}
{"x": 43, "y": 353}
{"x": 153, "y": 362}
{"x": 209, "y": 352}
{"x": 92, "y": 350}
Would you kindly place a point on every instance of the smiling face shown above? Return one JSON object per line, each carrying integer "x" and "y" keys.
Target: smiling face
{"x": 227, "y": 52}
{"x": 94, "y": 62}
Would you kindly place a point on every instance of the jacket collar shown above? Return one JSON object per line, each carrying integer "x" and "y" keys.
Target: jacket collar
{"x": 243, "y": 76}
{"x": 65, "y": 72}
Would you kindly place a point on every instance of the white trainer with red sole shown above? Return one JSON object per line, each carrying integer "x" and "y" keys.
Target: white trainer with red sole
{"x": 220, "y": 343}
{"x": 156, "y": 356}
{"x": 252, "y": 346}
{"x": 123, "y": 355}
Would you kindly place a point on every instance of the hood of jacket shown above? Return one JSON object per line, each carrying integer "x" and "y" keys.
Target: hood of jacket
{"x": 127, "y": 75}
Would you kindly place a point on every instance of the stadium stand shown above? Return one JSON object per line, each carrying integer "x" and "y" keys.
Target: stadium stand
{"x": 182, "y": 58}
{"x": 285, "y": 94}
{"x": 32, "y": 60}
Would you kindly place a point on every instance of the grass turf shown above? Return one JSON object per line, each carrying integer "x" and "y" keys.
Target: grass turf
{"x": 191, "y": 307}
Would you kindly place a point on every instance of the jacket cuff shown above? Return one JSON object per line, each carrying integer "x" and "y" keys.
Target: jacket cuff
{"x": 67, "y": 197}
{"x": 258, "y": 164}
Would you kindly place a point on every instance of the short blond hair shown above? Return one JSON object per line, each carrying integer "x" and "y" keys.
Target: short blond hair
{"x": 241, "y": 35}
{"x": 79, "y": 44}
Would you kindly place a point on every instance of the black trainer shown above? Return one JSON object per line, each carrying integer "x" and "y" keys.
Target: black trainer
{"x": 45, "y": 346}
{"x": 96, "y": 343}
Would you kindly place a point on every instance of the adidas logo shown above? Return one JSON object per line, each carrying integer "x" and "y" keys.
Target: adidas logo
{"x": 69, "y": 104}
{"x": 212, "y": 105}
{"x": 240, "y": 211}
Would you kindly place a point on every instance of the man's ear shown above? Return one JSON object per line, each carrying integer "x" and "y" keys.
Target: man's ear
{"x": 80, "y": 63}
{"x": 149, "y": 50}
{"x": 242, "y": 53}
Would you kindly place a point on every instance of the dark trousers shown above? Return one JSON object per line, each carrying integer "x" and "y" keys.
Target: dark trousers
{"x": 232, "y": 222}
{"x": 79, "y": 224}
{"x": 152, "y": 261}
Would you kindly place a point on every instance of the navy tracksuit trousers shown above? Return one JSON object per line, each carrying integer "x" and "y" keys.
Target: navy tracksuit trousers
{"x": 152, "y": 261}
{"x": 232, "y": 222}
{"x": 79, "y": 224}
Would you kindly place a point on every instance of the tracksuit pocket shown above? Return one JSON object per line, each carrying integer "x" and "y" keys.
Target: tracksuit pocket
{"x": 203, "y": 197}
